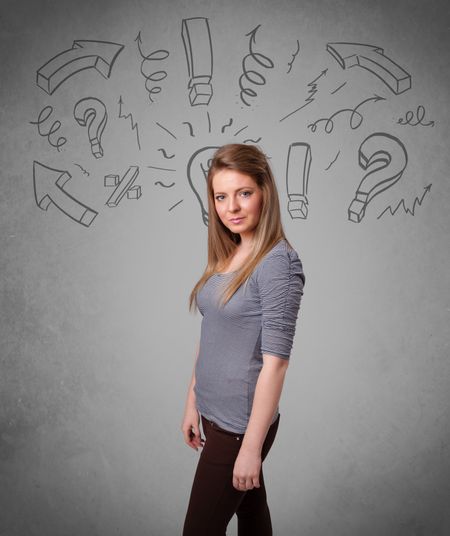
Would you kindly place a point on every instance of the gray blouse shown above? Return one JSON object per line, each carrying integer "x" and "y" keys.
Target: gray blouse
{"x": 260, "y": 318}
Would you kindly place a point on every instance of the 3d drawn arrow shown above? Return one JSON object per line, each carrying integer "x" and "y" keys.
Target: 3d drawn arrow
{"x": 48, "y": 188}
{"x": 100, "y": 55}
{"x": 372, "y": 58}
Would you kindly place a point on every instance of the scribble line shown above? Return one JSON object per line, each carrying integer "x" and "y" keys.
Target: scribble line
{"x": 209, "y": 121}
{"x": 311, "y": 97}
{"x": 165, "y": 154}
{"x": 338, "y": 88}
{"x": 417, "y": 201}
{"x": 160, "y": 183}
{"x": 410, "y": 116}
{"x": 227, "y": 125}
{"x": 294, "y": 55}
{"x": 249, "y": 140}
{"x": 44, "y": 114}
{"x": 166, "y": 129}
{"x": 333, "y": 161}
{"x": 161, "y": 168}
{"x": 176, "y": 204}
{"x": 134, "y": 125}
{"x": 240, "y": 130}
{"x": 82, "y": 169}
{"x": 191, "y": 129}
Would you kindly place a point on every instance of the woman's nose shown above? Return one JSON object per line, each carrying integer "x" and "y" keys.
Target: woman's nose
{"x": 233, "y": 204}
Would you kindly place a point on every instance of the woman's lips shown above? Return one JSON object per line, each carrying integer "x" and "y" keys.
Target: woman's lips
{"x": 236, "y": 220}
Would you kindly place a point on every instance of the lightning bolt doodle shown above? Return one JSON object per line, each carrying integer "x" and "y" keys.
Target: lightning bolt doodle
{"x": 134, "y": 125}
{"x": 416, "y": 202}
{"x": 311, "y": 95}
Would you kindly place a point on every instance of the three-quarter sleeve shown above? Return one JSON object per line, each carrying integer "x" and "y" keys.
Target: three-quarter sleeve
{"x": 280, "y": 280}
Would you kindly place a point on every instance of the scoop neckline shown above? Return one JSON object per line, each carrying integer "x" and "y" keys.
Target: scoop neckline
{"x": 226, "y": 273}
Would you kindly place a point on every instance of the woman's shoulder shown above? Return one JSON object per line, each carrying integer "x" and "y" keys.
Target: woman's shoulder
{"x": 281, "y": 257}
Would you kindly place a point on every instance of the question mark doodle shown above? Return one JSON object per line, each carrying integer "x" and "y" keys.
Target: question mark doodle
{"x": 91, "y": 112}
{"x": 298, "y": 159}
{"x": 387, "y": 157}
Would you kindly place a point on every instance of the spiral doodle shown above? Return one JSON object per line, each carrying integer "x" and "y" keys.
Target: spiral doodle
{"x": 419, "y": 115}
{"x": 250, "y": 75}
{"x": 152, "y": 78}
{"x": 44, "y": 114}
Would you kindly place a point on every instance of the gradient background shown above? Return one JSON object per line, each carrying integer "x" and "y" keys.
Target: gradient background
{"x": 96, "y": 342}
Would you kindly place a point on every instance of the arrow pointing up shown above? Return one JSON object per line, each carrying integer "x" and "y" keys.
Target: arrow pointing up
{"x": 48, "y": 188}
{"x": 372, "y": 58}
{"x": 100, "y": 55}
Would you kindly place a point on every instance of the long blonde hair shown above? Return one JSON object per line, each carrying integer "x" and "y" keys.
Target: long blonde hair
{"x": 222, "y": 242}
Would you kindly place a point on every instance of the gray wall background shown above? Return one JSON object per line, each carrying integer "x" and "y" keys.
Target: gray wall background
{"x": 97, "y": 344}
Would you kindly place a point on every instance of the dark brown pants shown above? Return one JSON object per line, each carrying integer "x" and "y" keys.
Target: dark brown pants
{"x": 214, "y": 500}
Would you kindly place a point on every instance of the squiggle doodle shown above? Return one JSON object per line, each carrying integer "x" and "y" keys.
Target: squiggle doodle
{"x": 191, "y": 129}
{"x": 333, "y": 161}
{"x": 227, "y": 125}
{"x": 409, "y": 117}
{"x": 165, "y": 154}
{"x": 249, "y": 140}
{"x": 54, "y": 128}
{"x": 82, "y": 169}
{"x": 134, "y": 125}
{"x": 250, "y": 75}
{"x": 417, "y": 201}
{"x": 355, "y": 116}
{"x": 294, "y": 55}
{"x": 156, "y": 76}
{"x": 160, "y": 183}
{"x": 312, "y": 92}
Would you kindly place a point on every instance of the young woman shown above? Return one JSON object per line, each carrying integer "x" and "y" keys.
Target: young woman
{"x": 249, "y": 296}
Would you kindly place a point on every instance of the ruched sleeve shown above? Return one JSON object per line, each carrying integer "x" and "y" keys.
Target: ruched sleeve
{"x": 280, "y": 280}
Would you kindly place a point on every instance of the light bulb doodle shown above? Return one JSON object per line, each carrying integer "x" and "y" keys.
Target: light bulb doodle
{"x": 123, "y": 186}
{"x": 49, "y": 188}
{"x": 197, "y": 173}
{"x": 199, "y": 55}
{"x": 386, "y": 157}
{"x": 298, "y": 162}
{"x": 372, "y": 58}
{"x": 91, "y": 112}
{"x": 84, "y": 54}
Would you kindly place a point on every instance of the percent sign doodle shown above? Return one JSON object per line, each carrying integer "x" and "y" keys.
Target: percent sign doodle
{"x": 197, "y": 44}
{"x": 91, "y": 112}
{"x": 298, "y": 159}
{"x": 386, "y": 157}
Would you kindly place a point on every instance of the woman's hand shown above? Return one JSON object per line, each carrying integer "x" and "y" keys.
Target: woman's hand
{"x": 190, "y": 428}
{"x": 247, "y": 468}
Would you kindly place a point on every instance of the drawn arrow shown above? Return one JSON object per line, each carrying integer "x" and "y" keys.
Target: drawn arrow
{"x": 372, "y": 58}
{"x": 48, "y": 188}
{"x": 100, "y": 55}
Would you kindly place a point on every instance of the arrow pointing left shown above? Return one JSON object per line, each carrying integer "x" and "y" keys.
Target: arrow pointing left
{"x": 48, "y": 188}
{"x": 99, "y": 55}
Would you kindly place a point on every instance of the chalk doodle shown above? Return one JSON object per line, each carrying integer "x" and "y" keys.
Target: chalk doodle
{"x": 415, "y": 119}
{"x": 161, "y": 168}
{"x": 250, "y": 75}
{"x": 294, "y": 55}
{"x": 49, "y": 188}
{"x": 165, "y": 154}
{"x": 133, "y": 124}
{"x": 123, "y": 186}
{"x": 386, "y": 157}
{"x": 176, "y": 204}
{"x": 85, "y": 172}
{"x": 91, "y": 112}
{"x": 154, "y": 77}
{"x": 312, "y": 92}
{"x": 197, "y": 173}
{"x": 355, "y": 119}
{"x": 298, "y": 165}
{"x": 191, "y": 128}
{"x": 44, "y": 114}
{"x": 240, "y": 130}
{"x": 333, "y": 161}
{"x": 160, "y": 183}
{"x": 371, "y": 58}
{"x": 417, "y": 202}
{"x": 230, "y": 122}
{"x": 84, "y": 54}
{"x": 250, "y": 140}
{"x": 199, "y": 55}
{"x": 166, "y": 130}
{"x": 338, "y": 88}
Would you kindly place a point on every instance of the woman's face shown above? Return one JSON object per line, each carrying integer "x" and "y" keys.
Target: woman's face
{"x": 238, "y": 201}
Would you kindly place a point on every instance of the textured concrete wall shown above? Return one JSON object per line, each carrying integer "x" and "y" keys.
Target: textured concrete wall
{"x": 104, "y": 235}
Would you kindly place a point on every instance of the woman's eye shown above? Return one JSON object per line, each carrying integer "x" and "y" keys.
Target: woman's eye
{"x": 246, "y": 194}
{"x": 219, "y": 197}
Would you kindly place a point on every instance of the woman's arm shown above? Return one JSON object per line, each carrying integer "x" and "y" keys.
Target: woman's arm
{"x": 267, "y": 396}
{"x": 191, "y": 419}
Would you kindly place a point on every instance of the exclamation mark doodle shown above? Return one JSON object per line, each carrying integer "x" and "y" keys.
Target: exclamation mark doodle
{"x": 298, "y": 161}
{"x": 197, "y": 44}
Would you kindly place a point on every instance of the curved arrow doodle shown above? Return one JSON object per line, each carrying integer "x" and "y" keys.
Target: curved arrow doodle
{"x": 85, "y": 54}
{"x": 49, "y": 188}
{"x": 387, "y": 158}
{"x": 372, "y": 58}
